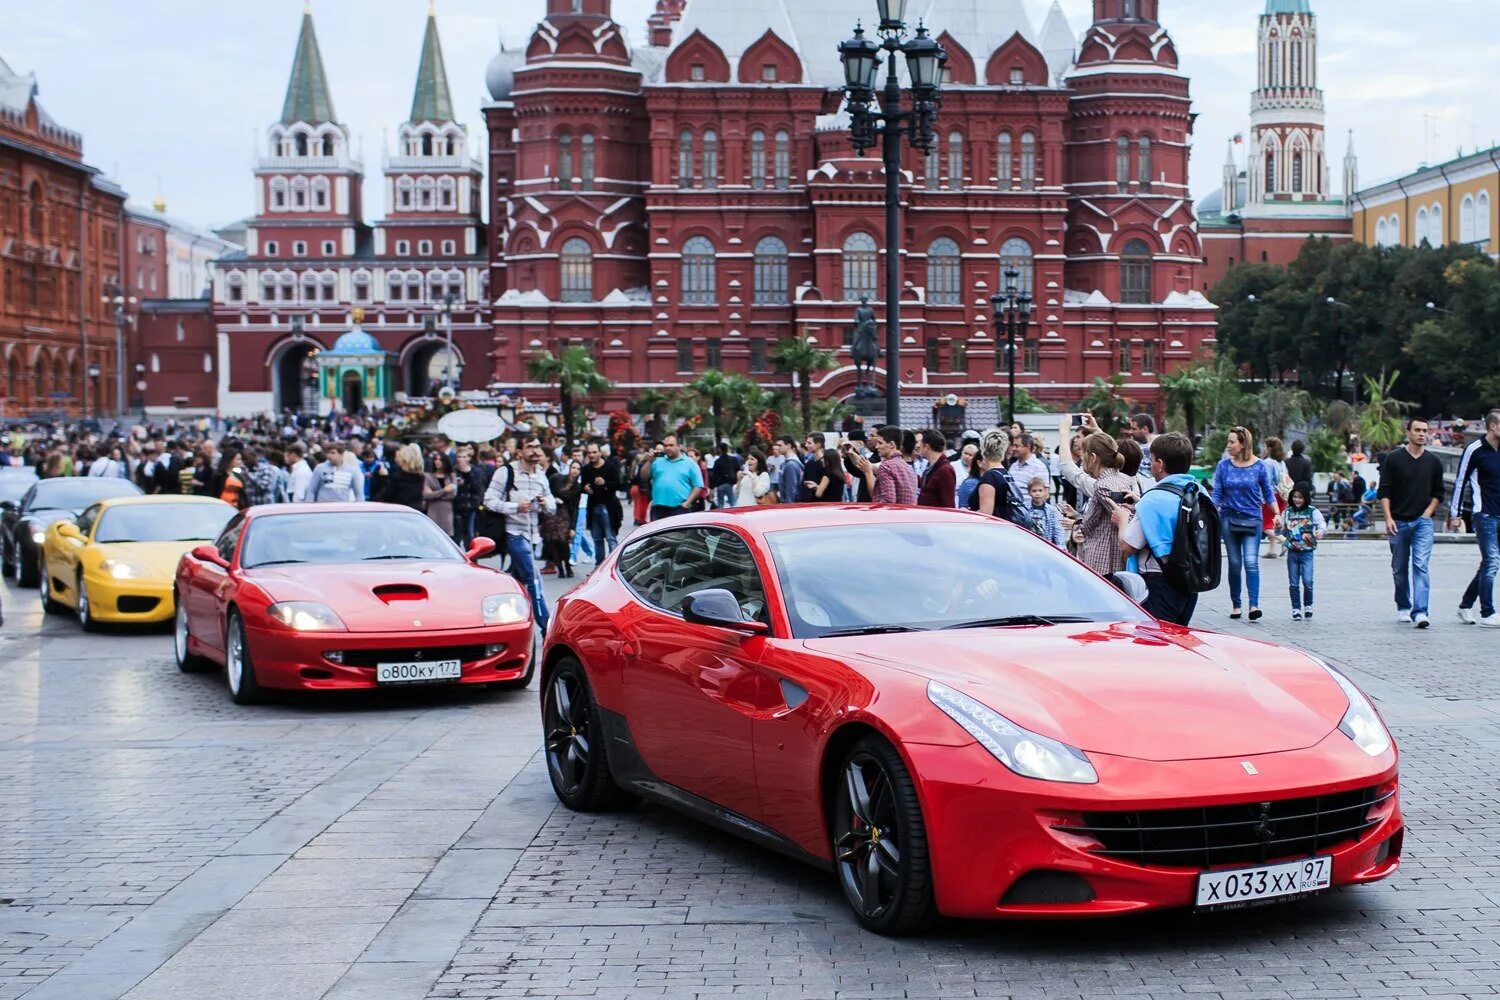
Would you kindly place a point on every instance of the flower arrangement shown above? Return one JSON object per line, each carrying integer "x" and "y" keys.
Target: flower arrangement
{"x": 762, "y": 432}
{"x": 622, "y": 436}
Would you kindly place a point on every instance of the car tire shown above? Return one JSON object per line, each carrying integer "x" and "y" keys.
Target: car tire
{"x": 43, "y": 583}
{"x": 239, "y": 668}
{"x": 573, "y": 741}
{"x": 187, "y": 662}
{"x": 26, "y": 570}
{"x": 880, "y": 841}
{"x": 85, "y": 608}
{"x": 522, "y": 682}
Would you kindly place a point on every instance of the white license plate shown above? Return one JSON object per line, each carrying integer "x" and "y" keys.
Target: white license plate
{"x": 417, "y": 673}
{"x": 1250, "y": 885}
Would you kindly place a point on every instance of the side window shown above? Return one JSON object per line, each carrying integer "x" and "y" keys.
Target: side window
{"x": 86, "y": 520}
{"x": 28, "y": 500}
{"x": 714, "y": 559}
{"x": 644, "y": 566}
{"x": 230, "y": 537}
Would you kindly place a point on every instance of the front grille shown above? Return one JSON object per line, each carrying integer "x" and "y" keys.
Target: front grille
{"x": 420, "y": 654}
{"x": 1248, "y": 833}
{"x": 134, "y": 605}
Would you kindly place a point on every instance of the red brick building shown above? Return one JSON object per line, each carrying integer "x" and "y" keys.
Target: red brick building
{"x": 60, "y": 244}
{"x": 686, "y": 204}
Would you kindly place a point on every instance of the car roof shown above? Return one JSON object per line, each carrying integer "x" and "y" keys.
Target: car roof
{"x": 279, "y": 509}
{"x": 157, "y": 499}
{"x": 759, "y": 520}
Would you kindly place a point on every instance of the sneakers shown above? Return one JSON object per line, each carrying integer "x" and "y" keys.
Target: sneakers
{"x": 1421, "y": 619}
{"x": 1490, "y": 621}
{"x": 1296, "y": 615}
{"x": 1403, "y": 616}
{"x": 1466, "y": 615}
{"x": 1308, "y": 612}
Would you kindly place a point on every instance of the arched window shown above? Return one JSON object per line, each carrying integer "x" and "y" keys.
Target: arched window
{"x": 1135, "y": 273}
{"x": 300, "y": 143}
{"x": 861, "y": 266}
{"x": 1016, "y": 255}
{"x": 1143, "y": 162}
{"x": 361, "y": 285}
{"x": 1273, "y": 65}
{"x": 710, "y": 159}
{"x": 1482, "y": 218}
{"x": 770, "y": 272}
{"x": 685, "y": 159}
{"x": 309, "y": 287}
{"x": 268, "y": 288}
{"x": 451, "y": 146}
{"x": 1270, "y": 171}
{"x": 1395, "y": 230}
{"x": 288, "y": 285}
{"x": 234, "y": 287}
{"x": 577, "y": 270}
{"x": 424, "y": 192}
{"x": 426, "y": 143}
{"x": 328, "y": 145}
{"x": 1122, "y": 162}
{"x": 1435, "y": 233}
{"x": 328, "y": 287}
{"x": 299, "y": 192}
{"x": 1297, "y": 171}
{"x": 699, "y": 272}
{"x": 395, "y": 286}
{"x": 783, "y": 167}
{"x": 1028, "y": 162}
{"x": 955, "y": 161}
{"x": 1382, "y": 233}
{"x": 757, "y": 159}
{"x": 1421, "y": 229}
{"x": 1466, "y": 228}
{"x": 320, "y": 193}
{"x": 943, "y": 269}
{"x": 278, "y": 194}
{"x": 565, "y": 161}
{"x": 586, "y": 169}
{"x": 1296, "y": 61}
{"x": 932, "y": 169}
{"x": 447, "y": 192}
{"x": 1005, "y": 164}
{"x": 405, "y": 187}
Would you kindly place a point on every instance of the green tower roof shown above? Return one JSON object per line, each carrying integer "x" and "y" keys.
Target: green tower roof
{"x": 1289, "y": 6}
{"x": 431, "y": 101}
{"x": 307, "y": 97}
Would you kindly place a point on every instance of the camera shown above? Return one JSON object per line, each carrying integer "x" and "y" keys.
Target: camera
{"x": 1076, "y": 419}
{"x": 1119, "y": 496}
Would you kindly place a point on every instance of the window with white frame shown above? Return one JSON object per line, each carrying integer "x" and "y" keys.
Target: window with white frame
{"x": 299, "y": 192}
{"x": 424, "y": 248}
{"x": 449, "y": 248}
{"x": 1420, "y": 233}
{"x": 299, "y": 248}
{"x": 405, "y": 192}
{"x": 955, "y": 161}
{"x": 328, "y": 248}
{"x": 361, "y": 286}
{"x": 770, "y": 272}
{"x": 234, "y": 287}
{"x": 1016, "y": 255}
{"x": 943, "y": 269}
{"x": 1028, "y": 162}
{"x": 328, "y": 287}
{"x": 1122, "y": 162}
{"x": 278, "y": 194}
{"x": 1436, "y": 235}
{"x": 783, "y": 157}
{"x": 1005, "y": 164}
{"x": 320, "y": 193}
{"x": 758, "y": 159}
{"x": 425, "y": 188}
{"x": 288, "y": 287}
{"x": 1482, "y": 218}
{"x": 1382, "y": 233}
{"x": 699, "y": 272}
{"x": 861, "y": 266}
{"x": 710, "y": 158}
{"x": 403, "y": 248}
{"x": 395, "y": 286}
{"x": 1466, "y": 229}
{"x": 577, "y": 264}
{"x": 447, "y": 196}
{"x": 309, "y": 287}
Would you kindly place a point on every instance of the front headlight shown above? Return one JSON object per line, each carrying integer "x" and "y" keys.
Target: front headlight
{"x": 1029, "y": 754}
{"x": 1361, "y": 723}
{"x": 306, "y": 616}
{"x": 38, "y": 536}
{"x": 505, "y": 609}
{"x": 119, "y": 569}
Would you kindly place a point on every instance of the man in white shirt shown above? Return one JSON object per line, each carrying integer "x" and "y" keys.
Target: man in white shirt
{"x": 520, "y": 491}
{"x": 299, "y": 473}
{"x": 1026, "y": 465}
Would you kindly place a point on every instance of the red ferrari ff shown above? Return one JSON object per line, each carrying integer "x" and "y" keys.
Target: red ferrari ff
{"x": 342, "y": 596}
{"x": 956, "y": 718}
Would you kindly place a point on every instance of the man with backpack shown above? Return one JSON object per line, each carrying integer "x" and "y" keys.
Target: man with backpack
{"x": 1175, "y": 533}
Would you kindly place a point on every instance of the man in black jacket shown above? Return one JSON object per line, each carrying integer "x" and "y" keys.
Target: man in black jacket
{"x": 1298, "y": 468}
{"x": 722, "y": 476}
{"x": 602, "y": 481}
{"x": 1411, "y": 487}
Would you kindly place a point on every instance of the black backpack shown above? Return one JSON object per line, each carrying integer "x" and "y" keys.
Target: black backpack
{"x": 1194, "y": 564}
{"x": 1010, "y": 504}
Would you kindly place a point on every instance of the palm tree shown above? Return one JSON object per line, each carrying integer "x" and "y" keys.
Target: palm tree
{"x": 1380, "y": 421}
{"x": 714, "y": 390}
{"x": 1108, "y": 403}
{"x": 654, "y": 405}
{"x": 747, "y": 401}
{"x": 798, "y": 356}
{"x": 575, "y": 376}
{"x": 1187, "y": 389}
{"x": 1275, "y": 406}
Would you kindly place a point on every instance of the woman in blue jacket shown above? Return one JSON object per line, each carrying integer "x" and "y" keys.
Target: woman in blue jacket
{"x": 1242, "y": 488}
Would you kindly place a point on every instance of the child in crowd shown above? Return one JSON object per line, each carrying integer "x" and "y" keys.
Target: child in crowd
{"x": 1300, "y": 526}
{"x": 1044, "y": 513}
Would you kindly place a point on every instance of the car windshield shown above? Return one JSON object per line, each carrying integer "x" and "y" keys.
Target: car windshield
{"x": 75, "y": 493}
{"x": 343, "y": 537}
{"x": 906, "y": 576}
{"x": 163, "y": 522}
{"x": 13, "y": 488}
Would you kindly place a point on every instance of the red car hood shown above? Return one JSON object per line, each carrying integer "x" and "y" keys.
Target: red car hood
{"x": 1126, "y": 690}
{"x": 452, "y": 592}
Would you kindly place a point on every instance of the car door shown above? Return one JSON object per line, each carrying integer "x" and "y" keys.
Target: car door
{"x": 209, "y": 588}
{"x": 692, "y": 691}
{"x": 65, "y": 553}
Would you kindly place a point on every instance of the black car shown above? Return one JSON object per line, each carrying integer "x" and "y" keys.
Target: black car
{"x": 23, "y": 523}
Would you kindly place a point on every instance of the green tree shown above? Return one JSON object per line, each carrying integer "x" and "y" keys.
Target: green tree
{"x": 576, "y": 378}
{"x": 1459, "y": 347}
{"x": 1325, "y": 450}
{"x": 1108, "y": 403}
{"x": 796, "y": 356}
{"x": 1026, "y": 402}
{"x": 654, "y": 405}
{"x": 827, "y": 414}
{"x": 1244, "y": 295}
{"x": 1274, "y": 407}
{"x": 1191, "y": 390}
{"x": 712, "y": 390}
{"x": 1380, "y": 421}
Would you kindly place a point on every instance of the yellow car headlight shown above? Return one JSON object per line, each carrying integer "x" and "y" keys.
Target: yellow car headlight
{"x": 119, "y": 569}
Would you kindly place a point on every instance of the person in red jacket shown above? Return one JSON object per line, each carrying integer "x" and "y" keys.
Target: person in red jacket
{"x": 940, "y": 484}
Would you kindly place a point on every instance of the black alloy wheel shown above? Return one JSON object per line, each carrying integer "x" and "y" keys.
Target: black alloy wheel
{"x": 43, "y": 582}
{"x": 880, "y": 841}
{"x": 26, "y": 573}
{"x": 574, "y": 741}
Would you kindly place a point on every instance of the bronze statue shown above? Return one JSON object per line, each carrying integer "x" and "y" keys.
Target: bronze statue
{"x": 865, "y": 349}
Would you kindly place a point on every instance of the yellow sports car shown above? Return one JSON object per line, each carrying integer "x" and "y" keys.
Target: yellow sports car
{"x": 116, "y": 561}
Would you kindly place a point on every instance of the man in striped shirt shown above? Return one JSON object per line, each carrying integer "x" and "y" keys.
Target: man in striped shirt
{"x": 895, "y": 481}
{"x": 1481, "y": 461}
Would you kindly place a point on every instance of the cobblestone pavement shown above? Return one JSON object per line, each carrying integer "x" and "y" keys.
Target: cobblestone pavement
{"x": 156, "y": 843}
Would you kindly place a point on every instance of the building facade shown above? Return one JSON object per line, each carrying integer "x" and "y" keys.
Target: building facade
{"x": 1282, "y": 196}
{"x": 1453, "y": 202}
{"x": 61, "y": 245}
{"x": 310, "y": 260}
{"x": 687, "y": 204}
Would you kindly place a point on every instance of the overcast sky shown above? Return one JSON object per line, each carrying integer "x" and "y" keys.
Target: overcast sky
{"x": 173, "y": 94}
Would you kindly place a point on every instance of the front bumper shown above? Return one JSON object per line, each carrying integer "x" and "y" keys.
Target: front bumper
{"x": 985, "y": 835}
{"x": 141, "y": 601}
{"x": 298, "y": 661}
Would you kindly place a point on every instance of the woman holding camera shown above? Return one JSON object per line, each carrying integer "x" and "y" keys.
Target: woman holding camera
{"x": 1102, "y": 479}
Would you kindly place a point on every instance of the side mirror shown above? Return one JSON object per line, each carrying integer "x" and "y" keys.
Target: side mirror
{"x": 209, "y": 554}
{"x": 720, "y": 609}
{"x": 1131, "y": 585}
{"x": 67, "y": 529}
{"x": 8, "y": 506}
{"x": 480, "y": 548}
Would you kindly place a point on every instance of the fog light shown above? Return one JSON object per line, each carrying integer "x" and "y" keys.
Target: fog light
{"x": 494, "y": 649}
{"x": 334, "y": 655}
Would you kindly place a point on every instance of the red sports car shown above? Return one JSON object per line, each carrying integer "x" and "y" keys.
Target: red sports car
{"x": 957, "y": 718}
{"x": 323, "y": 597}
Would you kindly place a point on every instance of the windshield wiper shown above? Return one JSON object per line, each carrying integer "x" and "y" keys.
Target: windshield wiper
{"x": 371, "y": 558}
{"x": 276, "y": 562}
{"x": 871, "y": 630}
{"x": 1007, "y": 621}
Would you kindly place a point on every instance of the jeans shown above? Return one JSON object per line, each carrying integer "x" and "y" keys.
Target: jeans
{"x": 1411, "y": 553}
{"x": 1299, "y": 574}
{"x": 463, "y": 528}
{"x": 724, "y": 495}
{"x": 1166, "y": 603}
{"x": 523, "y": 568}
{"x": 1243, "y": 551}
{"x": 1482, "y": 587}
{"x": 603, "y": 531}
{"x": 658, "y": 511}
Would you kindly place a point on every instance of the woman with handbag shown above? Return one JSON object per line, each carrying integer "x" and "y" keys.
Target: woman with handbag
{"x": 1242, "y": 489}
{"x": 752, "y": 485}
{"x": 1281, "y": 481}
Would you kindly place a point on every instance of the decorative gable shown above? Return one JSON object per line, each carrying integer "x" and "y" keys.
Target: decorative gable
{"x": 698, "y": 60}
{"x": 960, "y": 63}
{"x": 770, "y": 60}
{"x": 1017, "y": 62}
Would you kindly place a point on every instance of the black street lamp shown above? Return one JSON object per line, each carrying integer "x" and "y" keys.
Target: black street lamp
{"x": 888, "y": 125}
{"x": 114, "y": 296}
{"x": 1012, "y": 319}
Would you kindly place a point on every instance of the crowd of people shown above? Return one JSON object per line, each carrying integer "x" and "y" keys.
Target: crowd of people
{"x": 1114, "y": 502}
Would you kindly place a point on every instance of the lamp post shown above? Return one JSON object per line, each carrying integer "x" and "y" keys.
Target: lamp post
{"x": 445, "y": 309}
{"x": 115, "y": 296}
{"x": 1012, "y": 318}
{"x": 924, "y": 65}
